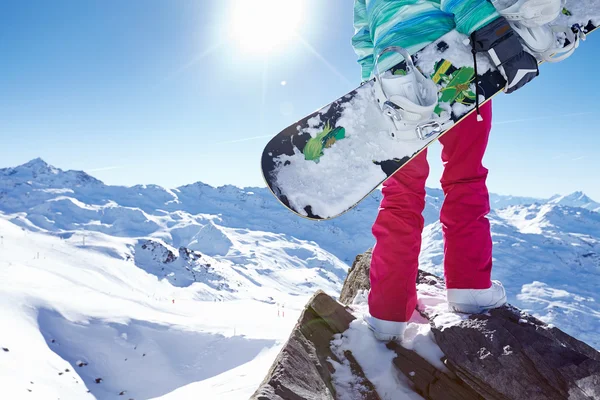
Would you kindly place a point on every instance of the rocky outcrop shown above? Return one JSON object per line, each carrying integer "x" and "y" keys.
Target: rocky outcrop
{"x": 508, "y": 354}
{"x": 357, "y": 278}
{"x": 302, "y": 370}
{"x": 181, "y": 267}
{"x": 504, "y": 354}
{"x": 500, "y": 355}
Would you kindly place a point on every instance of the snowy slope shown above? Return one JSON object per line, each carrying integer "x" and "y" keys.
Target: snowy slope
{"x": 196, "y": 277}
{"x": 72, "y": 315}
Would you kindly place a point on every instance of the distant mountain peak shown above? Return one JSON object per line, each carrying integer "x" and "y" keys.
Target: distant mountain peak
{"x": 575, "y": 199}
{"x": 578, "y": 195}
{"x": 41, "y": 173}
{"x": 36, "y": 162}
{"x": 573, "y": 195}
{"x": 40, "y": 166}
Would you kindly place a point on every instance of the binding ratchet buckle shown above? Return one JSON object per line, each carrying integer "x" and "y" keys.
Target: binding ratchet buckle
{"x": 436, "y": 129}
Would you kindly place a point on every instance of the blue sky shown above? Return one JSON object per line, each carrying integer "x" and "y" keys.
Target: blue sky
{"x": 147, "y": 91}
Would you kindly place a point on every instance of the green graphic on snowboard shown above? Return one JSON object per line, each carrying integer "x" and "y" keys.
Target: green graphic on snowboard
{"x": 457, "y": 85}
{"x": 454, "y": 87}
{"x": 313, "y": 150}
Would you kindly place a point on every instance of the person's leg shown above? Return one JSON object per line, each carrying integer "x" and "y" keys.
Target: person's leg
{"x": 397, "y": 230}
{"x": 466, "y": 230}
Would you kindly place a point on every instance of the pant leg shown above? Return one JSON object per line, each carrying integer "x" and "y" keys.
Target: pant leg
{"x": 397, "y": 230}
{"x": 466, "y": 230}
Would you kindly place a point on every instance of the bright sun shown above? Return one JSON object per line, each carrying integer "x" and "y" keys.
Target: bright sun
{"x": 263, "y": 25}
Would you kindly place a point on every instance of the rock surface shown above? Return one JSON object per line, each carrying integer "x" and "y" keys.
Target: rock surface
{"x": 428, "y": 381}
{"x": 301, "y": 370}
{"x": 507, "y": 354}
{"x": 357, "y": 278}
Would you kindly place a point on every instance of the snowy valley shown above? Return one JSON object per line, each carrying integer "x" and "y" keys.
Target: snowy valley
{"x": 144, "y": 292}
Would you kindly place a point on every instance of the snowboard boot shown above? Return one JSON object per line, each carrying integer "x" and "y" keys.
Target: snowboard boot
{"x": 531, "y": 20}
{"x": 386, "y": 331}
{"x": 476, "y": 301}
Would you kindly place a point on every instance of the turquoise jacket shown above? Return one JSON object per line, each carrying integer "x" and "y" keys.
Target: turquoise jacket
{"x": 411, "y": 24}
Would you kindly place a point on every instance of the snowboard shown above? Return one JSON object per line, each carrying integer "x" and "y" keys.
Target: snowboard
{"x": 329, "y": 161}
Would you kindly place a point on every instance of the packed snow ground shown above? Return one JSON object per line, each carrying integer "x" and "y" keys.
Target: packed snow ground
{"x": 168, "y": 293}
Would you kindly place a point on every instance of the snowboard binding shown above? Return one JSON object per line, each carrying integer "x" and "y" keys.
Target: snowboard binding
{"x": 531, "y": 20}
{"x": 408, "y": 99}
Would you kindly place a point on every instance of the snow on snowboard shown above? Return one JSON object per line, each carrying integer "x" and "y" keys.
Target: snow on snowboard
{"x": 326, "y": 163}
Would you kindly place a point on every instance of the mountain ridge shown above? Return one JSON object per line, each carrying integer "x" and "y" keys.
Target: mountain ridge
{"x": 574, "y": 199}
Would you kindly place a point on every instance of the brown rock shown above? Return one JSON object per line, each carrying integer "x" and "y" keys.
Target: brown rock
{"x": 301, "y": 370}
{"x": 508, "y": 354}
{"x": 428, "y": 381}
{"x": 357, "y": 279}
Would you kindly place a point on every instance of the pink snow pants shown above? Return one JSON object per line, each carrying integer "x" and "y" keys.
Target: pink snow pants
{"x": 465, "y": 228}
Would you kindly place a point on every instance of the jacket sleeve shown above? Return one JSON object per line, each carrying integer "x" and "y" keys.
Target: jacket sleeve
{"x": 361, "y": 41}
{"x": 470, "y": 15}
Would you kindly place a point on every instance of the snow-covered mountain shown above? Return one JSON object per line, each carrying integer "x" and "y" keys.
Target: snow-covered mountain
{"x": 41, "y": 197}
{"x": 200, "y": 278}
{"x": 576, "y": 199}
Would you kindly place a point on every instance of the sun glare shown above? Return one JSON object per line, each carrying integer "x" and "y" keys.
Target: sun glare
{"x": 264, "y": 25}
